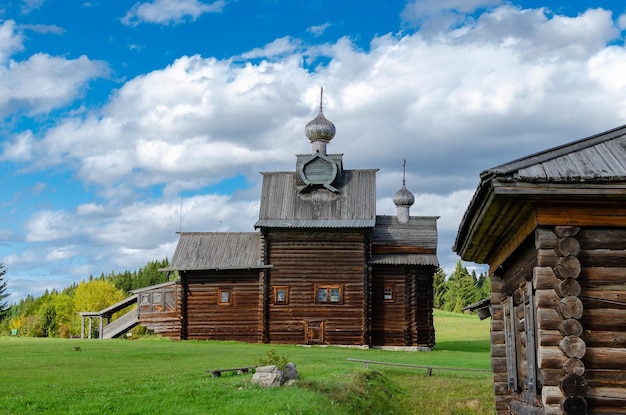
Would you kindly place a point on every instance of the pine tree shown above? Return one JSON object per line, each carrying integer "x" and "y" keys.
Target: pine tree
{"x": 4, "y": 307}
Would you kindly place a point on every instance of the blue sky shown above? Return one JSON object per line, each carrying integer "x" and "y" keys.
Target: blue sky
{"x": 114, "y": 114}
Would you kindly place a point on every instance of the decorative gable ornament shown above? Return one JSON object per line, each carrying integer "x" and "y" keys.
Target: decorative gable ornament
{"x": 319, "y": 169}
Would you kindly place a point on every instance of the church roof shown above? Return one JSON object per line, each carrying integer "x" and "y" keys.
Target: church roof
{"x": 287, "y": 204}
{"x": 216, "y": 250}
{"x": 412, "y": 243}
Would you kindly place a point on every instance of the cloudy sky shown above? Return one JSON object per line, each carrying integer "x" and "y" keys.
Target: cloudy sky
{"x": 122, "y": 122}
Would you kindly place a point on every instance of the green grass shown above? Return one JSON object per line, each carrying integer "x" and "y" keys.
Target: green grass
{"x": 159, "y": 376}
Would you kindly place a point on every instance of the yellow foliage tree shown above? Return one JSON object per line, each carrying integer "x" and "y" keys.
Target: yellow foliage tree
{"x": 96, "y": 295}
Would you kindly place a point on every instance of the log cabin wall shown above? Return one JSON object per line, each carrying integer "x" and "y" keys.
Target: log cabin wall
{"x": 389, "y": 306}
{"x": 159, "y": 310}
{"x": 424, "y": 294}
{"x": 222, "y": 305}
{"x": 603, "y": 296}
{"x": 305, "y": 261}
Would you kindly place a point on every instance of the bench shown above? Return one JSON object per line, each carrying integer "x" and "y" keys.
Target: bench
{"x": 216, "y": 373}
{"x": 429, "y": 369}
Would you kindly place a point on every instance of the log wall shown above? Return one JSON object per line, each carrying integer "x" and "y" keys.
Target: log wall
{"x": 209, "y": 319}
{"x": 603, "y": 297}
{"x": 389, "y": 318}
{"x": 305, "y": 259}
{"x": 560, "y": 347}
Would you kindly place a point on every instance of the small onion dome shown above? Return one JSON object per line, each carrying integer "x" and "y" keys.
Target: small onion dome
{"x": 320, "y": 129}
{"x": 403, "y": 197}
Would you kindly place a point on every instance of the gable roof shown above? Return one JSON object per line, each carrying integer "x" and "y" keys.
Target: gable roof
{"x": 601, "y": 157}
{"x": 287, "y": 204}
{"x": 412, "y": 243}
{"x": 217, "y": 251}
{"x": 584, "y": 169}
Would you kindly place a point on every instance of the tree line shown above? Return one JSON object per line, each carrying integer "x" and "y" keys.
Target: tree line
{"x": 55, "y": 313}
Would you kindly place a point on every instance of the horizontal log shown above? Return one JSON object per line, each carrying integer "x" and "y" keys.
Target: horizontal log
{"x": 598, "y": 238}
{"x": 550, "y": 357}
{"x": 568, "y": 267}
{"x": 549, "y": 337}
{"x": 607, "y": 298}
{"x": 545, "y": 238}
{"x": 574, "y": 366}
{"x": 566, "y": 231}
{"x": 548, "y": 319}
{"x": 498, "y": 350}
{"x": 574, "y": 385}
{"x": 551, "y": 376}
{"x": 603, "y": 257}
{"x": 605, "y": 358}
{"x": 547, "y": 258}
{"x": 602, "y": 276}
{"x": 571, "y": 327}
{"x": 570, "y": 307}
{"x": 574, "y": 405}
{"x": 606, "y": 377}
{"x": 546, "y": 298}
{"x": 598, "y": 338}
{"x": 573, "y": 346}
{"x": 603, "y": 319}
{"x": 619, "y": 394}
{"x": 568, "y": 287}
{"x": 551, "y": 395}
{"x": 544, "y": 278}
{"x": 567, "y": 246}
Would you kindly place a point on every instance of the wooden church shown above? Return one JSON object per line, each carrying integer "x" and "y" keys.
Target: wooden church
{"x": 320, "y": 268}
{"x": 552, "y": 227}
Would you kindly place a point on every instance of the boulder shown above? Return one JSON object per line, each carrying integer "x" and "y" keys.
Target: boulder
{"x": 270, "y": 376}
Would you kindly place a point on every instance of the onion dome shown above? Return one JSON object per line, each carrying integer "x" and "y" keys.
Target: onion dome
{"x": 403, "y": 197}
{"x": 319, "y": 128}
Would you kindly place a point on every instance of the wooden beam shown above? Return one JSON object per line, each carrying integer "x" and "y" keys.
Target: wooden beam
{"x": 581, "y": 214}
{"x": 526, "y": 224}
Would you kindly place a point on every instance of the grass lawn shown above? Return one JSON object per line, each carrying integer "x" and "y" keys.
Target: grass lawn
{"x": 160, "y": 376}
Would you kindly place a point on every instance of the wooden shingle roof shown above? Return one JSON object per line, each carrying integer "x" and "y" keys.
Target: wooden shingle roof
{"x": 285, "y": 204}
{"x": 587, "y": 169}
{"x": 412, "y": 243}
{"x": 217, "y": 250}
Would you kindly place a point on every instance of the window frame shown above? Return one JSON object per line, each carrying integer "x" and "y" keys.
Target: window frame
{"x": 220, "y": 296}
{"x": 278, "y": 288}
{"x": 392, "y": 293}
{"x": 328, "y": 297}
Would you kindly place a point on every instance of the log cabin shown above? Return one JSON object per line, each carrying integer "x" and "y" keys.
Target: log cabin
{"x": 321, "y": 267}
{"x": 552, "y": 228}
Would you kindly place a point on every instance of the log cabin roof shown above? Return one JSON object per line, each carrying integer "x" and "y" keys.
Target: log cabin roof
{"x": 216, "y": 250}
{"x": 287, "y": 203}
{"x": 412, "y": 243}
{"x": 581, "y": 170}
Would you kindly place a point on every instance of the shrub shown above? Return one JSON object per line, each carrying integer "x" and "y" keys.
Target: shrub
{"x": 273, "y": 358}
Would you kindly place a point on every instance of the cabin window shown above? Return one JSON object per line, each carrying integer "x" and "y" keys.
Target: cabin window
{"x": 224, "y": 297}
{"x": 281, "y": 295}
{"x": 329, "y": 294}
{"x": 388, "y": 293}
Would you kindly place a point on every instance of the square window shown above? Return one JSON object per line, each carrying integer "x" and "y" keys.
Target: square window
{"x": 334, "y": 295}
{"x": 388, "y": 294}
{"x": 322, "y": 295}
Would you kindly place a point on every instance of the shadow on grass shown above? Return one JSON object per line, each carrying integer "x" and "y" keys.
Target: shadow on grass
{"x": 477, "y": 346}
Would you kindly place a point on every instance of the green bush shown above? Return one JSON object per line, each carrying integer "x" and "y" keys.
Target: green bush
{"x": 273, "y": 358}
